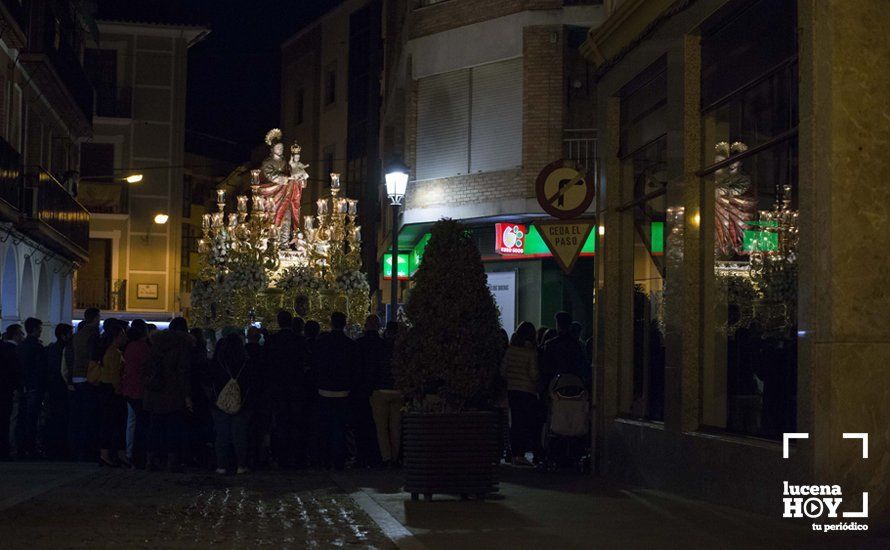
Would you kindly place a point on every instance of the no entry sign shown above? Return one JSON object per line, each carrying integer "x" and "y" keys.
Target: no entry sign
{"x": 564, "y": 190}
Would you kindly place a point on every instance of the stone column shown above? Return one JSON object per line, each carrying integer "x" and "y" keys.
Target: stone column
{"x": 844, "y": 382}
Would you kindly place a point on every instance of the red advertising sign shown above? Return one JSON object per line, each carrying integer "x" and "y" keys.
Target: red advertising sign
{"x": 509, "y": 238}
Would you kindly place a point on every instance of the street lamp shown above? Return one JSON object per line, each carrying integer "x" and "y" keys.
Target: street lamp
{"x": 161, "y": 218}
{"x": 133, "y": 178}
{"x": 396, "y": 183}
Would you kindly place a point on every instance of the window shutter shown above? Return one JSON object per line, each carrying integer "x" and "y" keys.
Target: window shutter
{"x": 496, "y": 135}
{"x": 443, "y": 106}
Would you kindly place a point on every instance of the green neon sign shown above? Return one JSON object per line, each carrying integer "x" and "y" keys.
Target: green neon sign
{"x": 656, "y": 237}
{"x": 403, "y": 267}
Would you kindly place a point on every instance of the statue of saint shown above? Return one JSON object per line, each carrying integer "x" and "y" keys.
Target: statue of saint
{"x": 283, "y": 182}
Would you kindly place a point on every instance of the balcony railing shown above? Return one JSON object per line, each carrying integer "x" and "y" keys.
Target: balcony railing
{"x": 55, "y": 208}
{"x": 105, "y": 294}
{"x": 579, "y": 145}
{"x": 114, "y": 102}
{"x": 51, "y": 46}
{"x": 110, "y": 197}
{"x": 10, "y": 177}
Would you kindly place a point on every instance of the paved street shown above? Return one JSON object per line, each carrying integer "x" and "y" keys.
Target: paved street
{"x": 568, "y": 511}
{"x": 45, "y": 505}
{"x": 84, "y": 507}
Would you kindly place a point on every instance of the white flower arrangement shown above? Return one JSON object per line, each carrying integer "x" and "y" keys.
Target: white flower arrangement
{"x": 298, "y": 278}
{"x": 350, "y": 281}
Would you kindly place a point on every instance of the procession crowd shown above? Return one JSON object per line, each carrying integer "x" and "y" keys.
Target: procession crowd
{"x": 128, "y": 395}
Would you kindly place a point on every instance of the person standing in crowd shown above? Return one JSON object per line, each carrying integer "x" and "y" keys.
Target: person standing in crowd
{"x": 167, "y": 394}
{"x": 336, "y": 359}
{"x": 84, "y": 404}
{"x": 372, "y": 351}
{"x": 563, "y": 353}
{"x": 386, "y": 402}
{"x": 287, "y": 358}
{"x": 133, "y": 387}
{"x": 231, "y": 362}
{"x": 60, "y": 360}
{"x": 10, "y": 379}
{"x": 113, "y": 407}
{"x": 311, "y": 331}
{"x": 519, "y": 368}
{"x": 540, "y": 338}
{"x": 261, "y": 413}
{"x": 32, "y": 357}
{"x": 199, "y": 422}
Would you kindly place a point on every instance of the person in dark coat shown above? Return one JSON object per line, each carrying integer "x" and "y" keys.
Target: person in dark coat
{"x": 287, "y": 375}
{"x": 167, "y": 396}
{"x": 372, "y": 350}
{"x": 10, "y": 380}
{"x": 563, "y": 354}
{"x": 261, "y": 413}
{"x": 336, "y": 361}
{"x": 387, "y": 402}
{"x": 60, "y": 359}
{"x": 84, "y": 423}
{"x": 231, "y": 361}
{"x": 32, "y": 357}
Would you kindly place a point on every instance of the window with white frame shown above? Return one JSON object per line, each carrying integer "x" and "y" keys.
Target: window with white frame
{"x": 470, "y": 120}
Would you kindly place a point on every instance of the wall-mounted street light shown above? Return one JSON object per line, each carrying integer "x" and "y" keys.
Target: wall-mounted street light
{"x": 397, "y": 174}
{"x": 133, "y": 178}
{"x": 161, "y": 218}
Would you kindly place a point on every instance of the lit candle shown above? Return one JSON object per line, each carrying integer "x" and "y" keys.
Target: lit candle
{"x": 358, "y": 233}
{"x": 254, "y": 177}
{"x": 220, "y": 195}
{"x": 335, "y": 180}
{"x": 322, "y": 205}
{"x": 217, "y": 218}
{"x": 233, "y": 220}
{"x": 353, "y": 207}
{"x": 309, "y": 222}
{"x": 205, "y": 221}
{"x": 341, "y": 206}
{"x": 242, "y": 203}
{"x": 202, "y": 246}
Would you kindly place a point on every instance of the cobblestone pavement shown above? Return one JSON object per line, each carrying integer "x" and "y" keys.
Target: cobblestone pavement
{"x": 136, "y": 509}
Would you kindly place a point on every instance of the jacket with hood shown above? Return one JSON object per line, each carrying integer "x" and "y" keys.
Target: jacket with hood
{"x": 167, "y": 372}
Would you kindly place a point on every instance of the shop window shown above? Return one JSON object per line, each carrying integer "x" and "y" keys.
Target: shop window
{"x": 749, "y": 225}
{"x": 643, "y": 130}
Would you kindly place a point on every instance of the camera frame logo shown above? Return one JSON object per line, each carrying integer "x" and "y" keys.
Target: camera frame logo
{"x": 822, "y": 501}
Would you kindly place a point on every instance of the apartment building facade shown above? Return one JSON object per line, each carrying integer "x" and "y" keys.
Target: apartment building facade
{"x": 46, "y": 105}
{"x": 139, "y": 73}
{"x": 479, "y": 97}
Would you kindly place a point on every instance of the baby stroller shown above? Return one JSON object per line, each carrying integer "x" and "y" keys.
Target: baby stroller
{"x": 565, "y": 435}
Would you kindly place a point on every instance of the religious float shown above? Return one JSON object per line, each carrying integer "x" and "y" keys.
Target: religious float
{"x": 256, "y": 257}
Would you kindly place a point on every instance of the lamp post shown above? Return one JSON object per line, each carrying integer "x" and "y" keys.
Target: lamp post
{"x": 396, "y": 183}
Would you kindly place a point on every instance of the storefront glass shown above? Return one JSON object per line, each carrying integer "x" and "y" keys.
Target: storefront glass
{"x": 749, "y": 223}
{"x": 644, "y": 170}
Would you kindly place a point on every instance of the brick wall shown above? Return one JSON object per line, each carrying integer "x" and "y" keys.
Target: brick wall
{"x": 457, "y": 13}
{"x": 472, "y": 188}
{"x": 543, "y": 98}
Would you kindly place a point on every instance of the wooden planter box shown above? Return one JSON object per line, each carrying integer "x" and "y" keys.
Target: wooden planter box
{"x": 452, "y": 453}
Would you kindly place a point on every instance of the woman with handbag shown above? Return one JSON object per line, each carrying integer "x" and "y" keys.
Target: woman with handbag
{"x": 112, "y": 405}
{"x": 229, "y": 381}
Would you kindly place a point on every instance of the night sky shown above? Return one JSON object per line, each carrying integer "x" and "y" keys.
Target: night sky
{"x": 234, "y": 73}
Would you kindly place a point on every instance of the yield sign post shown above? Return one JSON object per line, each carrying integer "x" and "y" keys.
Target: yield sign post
{"x": 565, "y": 239}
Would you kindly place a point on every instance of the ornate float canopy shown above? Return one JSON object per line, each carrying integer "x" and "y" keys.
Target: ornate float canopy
{"x": 258, "y": 258}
